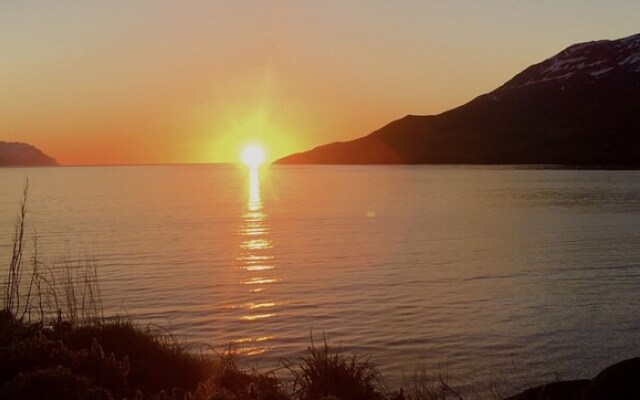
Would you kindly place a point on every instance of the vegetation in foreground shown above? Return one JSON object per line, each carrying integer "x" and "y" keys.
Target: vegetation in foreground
{"x": 117, "y": 359}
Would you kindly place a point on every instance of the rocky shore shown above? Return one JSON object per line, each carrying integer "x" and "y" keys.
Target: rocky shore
{"x": 620, "y": 381}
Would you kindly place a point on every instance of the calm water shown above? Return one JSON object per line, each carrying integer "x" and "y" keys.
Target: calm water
{"x": 467, "y": 269}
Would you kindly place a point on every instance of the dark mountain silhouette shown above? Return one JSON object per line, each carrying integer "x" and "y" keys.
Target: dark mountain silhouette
{"x": 580, "y": 107}
{"x": 13, "y": 154}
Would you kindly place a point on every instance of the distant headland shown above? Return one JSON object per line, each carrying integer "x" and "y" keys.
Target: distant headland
{"x": 577, "y": 108}
{"x": 15, "y": 154}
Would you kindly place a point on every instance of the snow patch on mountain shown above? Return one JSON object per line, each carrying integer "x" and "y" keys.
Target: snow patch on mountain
{"x": 601, "y": 71}
{"x": 631, "y": 59}
{"x": 590, "y": 60}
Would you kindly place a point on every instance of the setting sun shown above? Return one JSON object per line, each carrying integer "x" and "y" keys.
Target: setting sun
{"x": 253, "y": 156}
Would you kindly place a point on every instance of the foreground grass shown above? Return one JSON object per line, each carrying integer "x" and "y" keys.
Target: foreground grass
{"x": 121, "y": 360}
{"x": 115, "y": 360}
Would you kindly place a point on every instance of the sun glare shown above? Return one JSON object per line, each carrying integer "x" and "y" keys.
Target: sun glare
{"x": 253, "y": 156}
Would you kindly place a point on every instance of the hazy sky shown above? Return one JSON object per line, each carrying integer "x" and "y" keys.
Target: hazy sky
{"x": 103, "y": 82}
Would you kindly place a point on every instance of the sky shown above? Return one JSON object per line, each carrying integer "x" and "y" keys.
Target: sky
{"x": 137, "y": 82}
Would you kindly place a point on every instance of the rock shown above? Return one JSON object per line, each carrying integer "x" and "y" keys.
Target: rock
{"x": 620, "y": 381}
{"x": 562, "y": 390}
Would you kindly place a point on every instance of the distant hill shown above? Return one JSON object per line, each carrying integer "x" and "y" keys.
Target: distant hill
{"x": 13, "y": 154}
{"x": 579, "y": 107}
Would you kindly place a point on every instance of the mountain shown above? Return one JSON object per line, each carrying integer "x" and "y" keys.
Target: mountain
{"x": 579, "y": 107}
{"x": 13, "y": 154}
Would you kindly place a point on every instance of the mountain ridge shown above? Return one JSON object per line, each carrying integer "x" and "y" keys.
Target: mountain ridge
{"x": 578, "y": 107}
{"x": 17, "y": 154}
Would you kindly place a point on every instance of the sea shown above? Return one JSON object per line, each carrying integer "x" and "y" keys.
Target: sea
{"x": 480, "y": 274}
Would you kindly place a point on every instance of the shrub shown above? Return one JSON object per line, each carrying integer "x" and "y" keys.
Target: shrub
{"x": 323, "y": 373}
{"x": 156, "y": 360}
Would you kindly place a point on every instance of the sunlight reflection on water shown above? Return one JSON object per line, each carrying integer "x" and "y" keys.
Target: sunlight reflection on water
{"x": 256, "y": 257}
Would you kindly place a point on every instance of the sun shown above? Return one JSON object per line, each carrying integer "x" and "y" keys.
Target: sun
{"x": 253, "y": 156}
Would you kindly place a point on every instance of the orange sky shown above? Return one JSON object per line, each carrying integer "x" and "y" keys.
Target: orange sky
{"x": 168, "y": 81}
